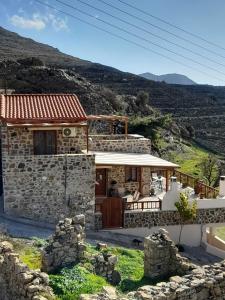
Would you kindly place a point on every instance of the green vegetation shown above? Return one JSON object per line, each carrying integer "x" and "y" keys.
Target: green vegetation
{"x": 69, "y": 283}
{"x": 188, "y": 159}
{"x": 187, "y": 211}
{"x": 131, "y": 268}
{"x": 150, "y": 126}
{"x": 27, "y": 250}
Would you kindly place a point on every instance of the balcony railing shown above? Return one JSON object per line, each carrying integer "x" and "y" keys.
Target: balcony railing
{"x": 201, "y": 189}
{"x": 142, "y": 205}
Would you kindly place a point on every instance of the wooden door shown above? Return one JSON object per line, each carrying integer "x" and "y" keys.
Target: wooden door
{"x": 112, "y": 213}
{"x": 100, "y": 185}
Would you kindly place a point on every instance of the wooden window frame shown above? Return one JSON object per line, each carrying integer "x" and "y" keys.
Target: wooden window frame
{"x": 45, "y": 131}
{"x": 129, "y": 173}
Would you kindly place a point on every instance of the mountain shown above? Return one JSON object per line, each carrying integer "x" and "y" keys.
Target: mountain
{"x": 169, "y": 78}
{"x": 197, "y": 109}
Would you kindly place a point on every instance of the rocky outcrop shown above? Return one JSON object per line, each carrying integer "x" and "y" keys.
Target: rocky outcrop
{"x": 66, "y": 246}
{"x": 17, "y": 281}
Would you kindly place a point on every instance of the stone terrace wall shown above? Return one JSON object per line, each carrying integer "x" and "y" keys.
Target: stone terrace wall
{"x": 66, "y": 246}
{"x": 17, "y": 281}
{"x": 48, "y": 188}
{"x": 162, "y": 218}
{"x": 130, "y": 145}
{"x": 203, "y": 283}
{"x": 19, "y": 141}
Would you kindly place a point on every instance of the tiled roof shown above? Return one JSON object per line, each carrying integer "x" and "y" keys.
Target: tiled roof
{"x": 41, "y": 108}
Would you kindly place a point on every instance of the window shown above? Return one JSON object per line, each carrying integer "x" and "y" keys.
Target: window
{"x": 44, "y": 142}
{"x": 132, "y": 174}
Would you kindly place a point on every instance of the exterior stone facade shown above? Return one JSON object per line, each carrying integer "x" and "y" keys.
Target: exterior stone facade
{"x": 161, "y": 258}
{"x": 66, "y": 246}
{"x": 19, "y": 141}
{"x": 119, "y": 143}
{"x": 117, "y": 173}
{"x": 163, "y": 218}
{"x": 17, "y": 281}
{"x": 50, "y": 187}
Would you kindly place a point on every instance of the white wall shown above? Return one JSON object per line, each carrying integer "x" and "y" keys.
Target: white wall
{"x": 172, "y": 196}
{"x": 192, "y": 235}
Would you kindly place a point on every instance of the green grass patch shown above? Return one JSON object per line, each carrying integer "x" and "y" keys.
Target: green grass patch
{"x": 29, "y": 254}
{"x": 69, "y": 284}
{"x": 188, "y": 159}
{"x": 31, "y": 257}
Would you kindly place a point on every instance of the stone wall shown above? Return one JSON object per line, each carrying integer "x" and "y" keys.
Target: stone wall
{"x": 203, "y": 283}
{"x": 66, "y": 246}
{"x": 17, "y": 281}
{"x": 100, "y": 137}
{"x": 104, "y": 265}
{"x": 161, "y": 258}
{"x": 19, "y": 141}
{"x": 50, "y": 187}
{"x": 117, "y": 173}
{"x": 138, "y": 145}
{"x": 165, "y": 218}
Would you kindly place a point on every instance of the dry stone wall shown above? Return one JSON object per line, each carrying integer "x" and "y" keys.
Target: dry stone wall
{"x": 66, "y": 246}
{"x": 104, "y": 265}
{"x": 203, "y": 283}
{"x": 48, "y": 188}
{"x": 17, "y": 281}
{"x": 161, "y": 258}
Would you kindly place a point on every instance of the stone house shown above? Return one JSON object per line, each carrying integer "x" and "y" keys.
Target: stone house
{"x": 52, "y": 167}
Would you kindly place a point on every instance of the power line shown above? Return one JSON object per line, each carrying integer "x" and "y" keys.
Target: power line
{"x": 173, "y": 25}
{"x": 161, "y": 29}
{"x": 127, "y": 40}
{"x": 139, "y": 37}
{"x": 149, "y": 32}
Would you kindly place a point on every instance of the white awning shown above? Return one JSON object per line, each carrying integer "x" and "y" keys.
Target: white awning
{"x": 130, "y": 159}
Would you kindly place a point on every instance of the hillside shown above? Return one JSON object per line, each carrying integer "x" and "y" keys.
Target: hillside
{"x": 169, "y": 78}
{"x": 104, "y": 89}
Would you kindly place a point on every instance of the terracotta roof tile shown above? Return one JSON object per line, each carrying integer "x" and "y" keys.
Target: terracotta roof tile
{"x": 41, "y": 108}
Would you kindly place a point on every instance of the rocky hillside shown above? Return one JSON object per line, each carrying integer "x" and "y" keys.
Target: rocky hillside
{"x": 104, "y": 89}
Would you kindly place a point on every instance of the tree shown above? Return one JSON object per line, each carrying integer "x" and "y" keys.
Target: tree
{"x": 186, "y": 210}
{"x": 209, "y": 168}
{"x": 142, "y": 99}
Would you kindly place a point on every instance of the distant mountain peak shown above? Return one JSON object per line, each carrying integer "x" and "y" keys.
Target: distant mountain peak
{"x": 172, "y": 78}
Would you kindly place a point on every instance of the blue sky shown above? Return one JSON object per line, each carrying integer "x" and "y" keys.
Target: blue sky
{"x": 202, "y": 17}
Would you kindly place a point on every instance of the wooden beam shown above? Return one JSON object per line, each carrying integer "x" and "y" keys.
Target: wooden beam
{"x": 167, "y": 180}
{"x": 87, "y": 138}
